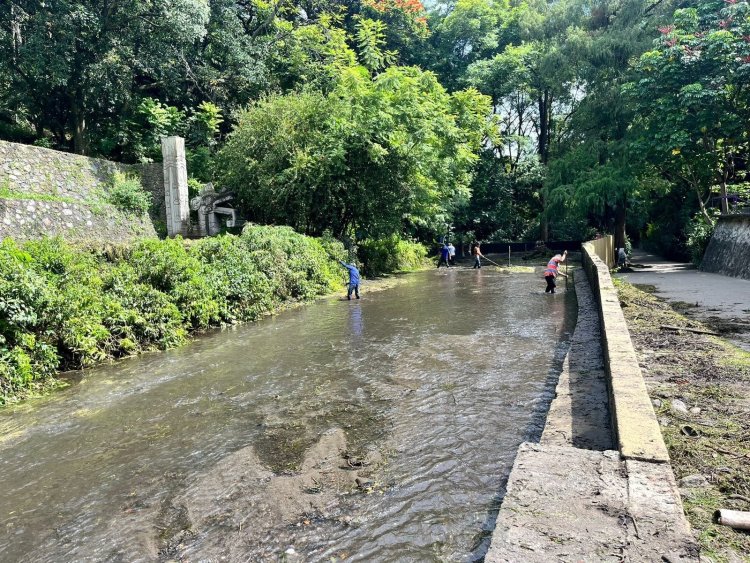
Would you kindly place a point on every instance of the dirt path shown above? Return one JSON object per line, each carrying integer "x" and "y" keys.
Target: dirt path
{"x": 700, "y": 388}
{"x": 721, "y": 302}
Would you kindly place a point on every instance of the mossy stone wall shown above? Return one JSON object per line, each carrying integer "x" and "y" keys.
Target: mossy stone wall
{"x": 48, "y": 193}
{"x": 729, "y": 248}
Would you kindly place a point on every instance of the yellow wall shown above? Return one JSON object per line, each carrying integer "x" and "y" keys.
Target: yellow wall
{"x": 604, "y": 248}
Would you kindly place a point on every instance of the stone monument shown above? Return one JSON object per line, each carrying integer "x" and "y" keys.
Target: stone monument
{"x": 208, "y": 204}
{"x": 175, "y": 186}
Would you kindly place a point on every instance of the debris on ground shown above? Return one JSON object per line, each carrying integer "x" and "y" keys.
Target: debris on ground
{"x": 700, "y": 388}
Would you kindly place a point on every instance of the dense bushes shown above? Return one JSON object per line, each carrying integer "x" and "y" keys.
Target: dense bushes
{"x": 62, "y": 307}
{"x": 392, "y": 254}
{"x": 699, "y": 232}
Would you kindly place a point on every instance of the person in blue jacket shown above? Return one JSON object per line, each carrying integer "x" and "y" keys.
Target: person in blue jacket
{"x": 444, "y": 254}
{"x": 353, "y": 280}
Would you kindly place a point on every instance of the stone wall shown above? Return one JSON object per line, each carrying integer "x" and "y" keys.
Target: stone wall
{"x": 152, "y": 178}
{"x": 47, "y": 193}
{"x": 633, "y": 419}
{"x": 729, "y": 248}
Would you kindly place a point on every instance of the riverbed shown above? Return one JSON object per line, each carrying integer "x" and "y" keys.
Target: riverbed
{"x": 379, "y": 429}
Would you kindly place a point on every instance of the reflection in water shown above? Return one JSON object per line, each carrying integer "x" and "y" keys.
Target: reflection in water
{"x": 355, "y": 320}
{"x": 449, "y": 373}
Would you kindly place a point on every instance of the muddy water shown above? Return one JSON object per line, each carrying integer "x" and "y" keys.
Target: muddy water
{"x": 247, "y": 442}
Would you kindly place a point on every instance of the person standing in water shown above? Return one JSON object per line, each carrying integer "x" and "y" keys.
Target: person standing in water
{"x": 477, "y": 254}
{"x": 444, "y": 253}
{"x": 353, "y": 280}
{"x": 551, "y": 271}
{"x": 451, "y": 254}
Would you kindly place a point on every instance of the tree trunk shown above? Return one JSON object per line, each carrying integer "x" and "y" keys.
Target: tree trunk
{"x": 620, "y": 216}
{"x": 544, "y": 126}
{"x": 78, "y": 114}
{"x": 80, "y": 140}
{"x": 723, "y": 194}
{"x": 544, "y": 228}
{"x": 702, "y": 205}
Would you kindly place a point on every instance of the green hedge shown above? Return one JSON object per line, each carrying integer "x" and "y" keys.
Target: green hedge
{"x": 392, "y": 254}
{"x": 63, "y": 307}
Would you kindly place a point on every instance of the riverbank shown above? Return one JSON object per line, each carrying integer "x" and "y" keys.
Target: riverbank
{"x": 68, "y": 307}
{"x": 699, "y": 385}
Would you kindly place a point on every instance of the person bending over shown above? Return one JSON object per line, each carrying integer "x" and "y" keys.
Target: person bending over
{"x": 551, "y": 271}
{"x": 444, "y": 253}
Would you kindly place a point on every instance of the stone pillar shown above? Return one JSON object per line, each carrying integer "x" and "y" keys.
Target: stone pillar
{"x": 175, "y": 186}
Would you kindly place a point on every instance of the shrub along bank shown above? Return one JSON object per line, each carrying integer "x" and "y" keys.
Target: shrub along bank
{"x": 391, "y": 254}
{"x": 63, "y": 307}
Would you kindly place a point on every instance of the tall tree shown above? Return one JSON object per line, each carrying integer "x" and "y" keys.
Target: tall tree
{"x": 692, "y": 97}
{"x": 73, "y": 65}
{"x": 372, "y": 157}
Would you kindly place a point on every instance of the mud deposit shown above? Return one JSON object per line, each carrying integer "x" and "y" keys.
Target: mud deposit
{"x": 381, "y": 429}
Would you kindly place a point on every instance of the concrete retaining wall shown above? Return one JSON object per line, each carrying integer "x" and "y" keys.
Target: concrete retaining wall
{"x": 729, "y": 247}
{"x": 572, "y": 497}
{"x": 47, "y": 193}
{"x": 604, "y": 248}
{"x": 637, "y": 430}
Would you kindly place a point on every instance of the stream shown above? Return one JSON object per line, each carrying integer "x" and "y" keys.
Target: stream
{"x": 374, "y": 430}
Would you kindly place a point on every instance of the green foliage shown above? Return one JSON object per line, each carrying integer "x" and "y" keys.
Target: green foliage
{"x": 127, "y": 194}
{"x": 24, "y": 304}
{"x": 62, "y": 307}
{"x": 391, "y": 254}
{"x": 77, "y": 71}
{"x": 699, "y": 232}
{"x": 504, "y": 201}
{"x": 375, "y": 156}
{"x": 690, "y": 92}
{"x": 204, "y": 124}
{"x": 298, "y": 266}
{"x": 371, "y": 44}
{"x": 325, "y": 146}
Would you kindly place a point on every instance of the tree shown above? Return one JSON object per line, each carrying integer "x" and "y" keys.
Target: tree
{"x": 372, "y": 157}
{"x": 73, "y": 64}
{"x": 693, "y": 101}
{"x": 504, "y": 203}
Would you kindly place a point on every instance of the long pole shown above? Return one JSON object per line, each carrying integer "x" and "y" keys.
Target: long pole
{"x": 508, "y": 256}
{"x": 491, "y": 262}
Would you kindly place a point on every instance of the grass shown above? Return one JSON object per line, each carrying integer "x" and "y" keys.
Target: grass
{"x": 7, "y": 193}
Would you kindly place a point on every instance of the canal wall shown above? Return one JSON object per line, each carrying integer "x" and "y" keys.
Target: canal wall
{"x": 44, "y": 192}
{"x": 729, "y": 247}
{"x": 636, "y": 428}
{"x": 598, "y": 486}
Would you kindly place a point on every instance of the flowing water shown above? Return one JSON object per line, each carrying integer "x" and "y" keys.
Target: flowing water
{"x": 200, "y": 453}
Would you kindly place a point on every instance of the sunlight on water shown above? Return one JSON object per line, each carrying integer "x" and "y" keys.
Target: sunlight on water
{"x": 380, "y": 429}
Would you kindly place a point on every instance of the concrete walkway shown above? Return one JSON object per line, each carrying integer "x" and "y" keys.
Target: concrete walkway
{"x": 712, "y": 295}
